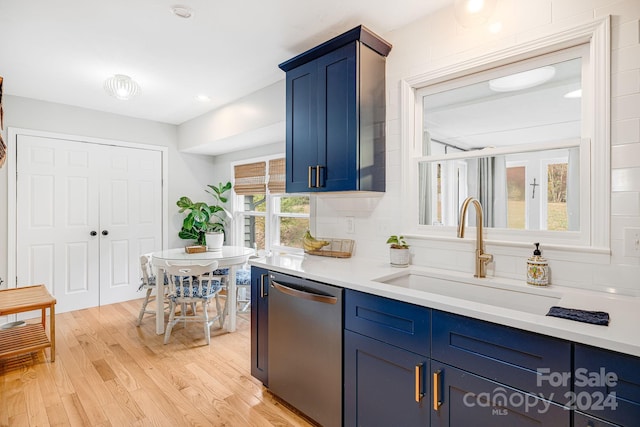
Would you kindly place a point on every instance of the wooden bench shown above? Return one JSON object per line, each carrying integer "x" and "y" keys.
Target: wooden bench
{"x": 32, "y": 336}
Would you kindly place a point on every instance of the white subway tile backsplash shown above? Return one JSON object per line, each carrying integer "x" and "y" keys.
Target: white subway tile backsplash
{"x": 620, "y": 11}
{"x": 562, "y": 9}
{"x": 625, "y": 83}
{"x": 625, "y": 179}
{"x": 625, "y": 59}
{"x": 625, "y": 203}
{"x": 627, "y": 34}
{"x": 625, "y": 131}
{"x": 619, "y": 223}
{"x": 625, "y": 107}
{"x": 625, "y": 156}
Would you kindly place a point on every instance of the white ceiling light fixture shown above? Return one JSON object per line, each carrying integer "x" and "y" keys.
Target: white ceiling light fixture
{"x": 471, "y": 13}
{"x": 203, "y": 98}
{"x": 523, "y": 80}
{"x": 574, "y": 94}
{"x": 182, "y": 11}
{"x": 121, "y": 87}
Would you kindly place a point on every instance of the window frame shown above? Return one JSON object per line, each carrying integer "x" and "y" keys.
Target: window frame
{"x": 594, "y": 150}
{"x": 271, "y": 214}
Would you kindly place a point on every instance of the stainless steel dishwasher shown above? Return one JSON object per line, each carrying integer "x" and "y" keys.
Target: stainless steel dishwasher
{"x": 305, "y": 346}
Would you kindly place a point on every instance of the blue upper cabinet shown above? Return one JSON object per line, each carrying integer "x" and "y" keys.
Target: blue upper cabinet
{"x": 335, "y": 105}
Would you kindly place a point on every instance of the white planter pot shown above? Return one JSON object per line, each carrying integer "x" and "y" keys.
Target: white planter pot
{"x": 399, "y": 257}
{"x": 214, "y": 241}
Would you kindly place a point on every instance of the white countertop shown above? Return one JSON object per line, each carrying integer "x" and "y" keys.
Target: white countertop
{"x": 358, "y": 274}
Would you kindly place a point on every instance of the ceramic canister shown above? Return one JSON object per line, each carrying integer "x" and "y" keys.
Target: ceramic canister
{"x": 537, "y": 271}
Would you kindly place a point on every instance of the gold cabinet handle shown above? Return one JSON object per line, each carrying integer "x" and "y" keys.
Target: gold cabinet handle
{"x": 311, "y": 168}
{"x": 437, "y": 401}
{"x": 318, "y": 168}
{"x": 418, "y": 386}
{"x": 262, "y": 277}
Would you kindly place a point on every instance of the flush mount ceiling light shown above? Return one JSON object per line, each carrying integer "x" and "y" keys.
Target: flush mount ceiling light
{"x": 574, "y": 94}
{"x": 182, "y": 11}
{"x": 471, "y": 13}
{"x": 203, "y": 98}
{"x": 523, "y": 80}
{"x": 121, "y": 87}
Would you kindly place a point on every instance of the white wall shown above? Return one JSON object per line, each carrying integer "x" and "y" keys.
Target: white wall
{"x": 437, "y": 41}
{"x": 255, "y": 120}
{"x": 188, "y": 173}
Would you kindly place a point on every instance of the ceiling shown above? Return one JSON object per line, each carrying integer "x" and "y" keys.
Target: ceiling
{"x": 62, "y": 50}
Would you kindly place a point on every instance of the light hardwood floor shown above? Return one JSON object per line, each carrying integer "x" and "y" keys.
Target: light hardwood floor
{"x": 108, "y": 372}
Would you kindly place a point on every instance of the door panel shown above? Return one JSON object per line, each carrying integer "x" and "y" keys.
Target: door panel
{"x": 57, "y": 205}
{"x": 68, "y": 189}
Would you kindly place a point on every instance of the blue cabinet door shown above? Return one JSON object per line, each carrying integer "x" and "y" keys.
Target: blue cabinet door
{"x": 259, "y": 323}
{"x": 302, "y": 128}
{"x": 338, "y": 120}
{"x": 384, "y": 385}
{"x": 607, "y": 385}
{"x": 584, "y": 420}
{"x": 462, "y": 399}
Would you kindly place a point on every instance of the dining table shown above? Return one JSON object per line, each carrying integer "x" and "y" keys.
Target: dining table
{"x": 228, "y": 257}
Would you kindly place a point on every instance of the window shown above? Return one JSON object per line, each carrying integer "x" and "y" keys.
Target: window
{"x": 266, "y": 217}
{"x": 536, "y": 155}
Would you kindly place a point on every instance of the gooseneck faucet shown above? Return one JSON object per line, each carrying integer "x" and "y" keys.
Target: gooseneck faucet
{"x": 481, "y": 258}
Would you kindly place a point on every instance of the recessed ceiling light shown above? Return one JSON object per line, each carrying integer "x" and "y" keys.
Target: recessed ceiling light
{"x": 523, "y": 80}
{"x": 495, "y": 27}
{"x": 574, "y": 94}
{"x": 203, "y": 98}
{"x": 182, "y": 11}
{"x": 121, "y": 87}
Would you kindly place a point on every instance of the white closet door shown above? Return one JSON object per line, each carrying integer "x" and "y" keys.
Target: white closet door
{"x": 66, "y": 191}
{"x": 57, "y": 205}
{"x": 131, "y": 214}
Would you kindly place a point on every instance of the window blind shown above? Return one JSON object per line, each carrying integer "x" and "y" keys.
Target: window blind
{"x": 250, "y": 178}
{"x": 277, "y": 173}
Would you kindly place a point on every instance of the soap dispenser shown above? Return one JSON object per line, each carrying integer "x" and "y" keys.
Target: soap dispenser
{"x": 537, "y": 269}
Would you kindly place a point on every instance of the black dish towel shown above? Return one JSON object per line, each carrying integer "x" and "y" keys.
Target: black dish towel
{"x": 595, "y": 317}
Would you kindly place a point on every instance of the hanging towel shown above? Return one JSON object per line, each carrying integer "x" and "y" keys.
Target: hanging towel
{"x": 594, "y": 317}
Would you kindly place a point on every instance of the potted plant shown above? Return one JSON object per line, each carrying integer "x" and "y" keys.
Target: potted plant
{"x": 203, "y": 219}
{"x": 214, "y": 234}
{"x": 399, "y": 251}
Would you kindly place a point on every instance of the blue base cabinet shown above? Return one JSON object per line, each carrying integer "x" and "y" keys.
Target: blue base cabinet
{"x": 384, "y": 385}
{"x": 386, "y": 362}
{"x": 463, "y": 399}
{"x": 259, "y": 323}
{"x": 607, "y": 385}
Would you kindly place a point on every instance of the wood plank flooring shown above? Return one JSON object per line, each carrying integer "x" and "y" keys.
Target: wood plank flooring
{"x": 108, "y": 372}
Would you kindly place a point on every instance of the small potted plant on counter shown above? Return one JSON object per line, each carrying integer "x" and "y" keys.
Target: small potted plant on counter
{"x": 399, "y": 251}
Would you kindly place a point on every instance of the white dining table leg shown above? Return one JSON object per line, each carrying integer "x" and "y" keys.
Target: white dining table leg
{"x": 159, "y": 300}
{"x": 231, "y": 299}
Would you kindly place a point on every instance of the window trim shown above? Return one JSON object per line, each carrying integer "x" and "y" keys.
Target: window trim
{"x": 271, "y": 217}
{"x": 597, "y": 118}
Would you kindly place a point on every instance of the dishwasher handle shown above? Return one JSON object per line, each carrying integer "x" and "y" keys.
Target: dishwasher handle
{"x": 297, "y": 293}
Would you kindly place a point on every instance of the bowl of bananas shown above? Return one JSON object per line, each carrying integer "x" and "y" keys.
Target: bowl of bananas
{"x": 325, "y": 246}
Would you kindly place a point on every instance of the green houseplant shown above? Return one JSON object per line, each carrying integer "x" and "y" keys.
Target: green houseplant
{"x": 202, "y": 218}
{"x": 399, "y": 251}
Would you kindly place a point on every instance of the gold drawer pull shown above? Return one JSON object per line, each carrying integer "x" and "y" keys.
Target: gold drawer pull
{"x": 418, "y": 372}
{"x": 437, "y": 402}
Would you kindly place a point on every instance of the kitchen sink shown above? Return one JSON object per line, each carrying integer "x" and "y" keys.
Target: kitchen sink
{"x": 515, "y": 297}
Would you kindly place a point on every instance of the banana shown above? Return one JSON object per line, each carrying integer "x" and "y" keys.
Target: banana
{"x": 310, "y": 243}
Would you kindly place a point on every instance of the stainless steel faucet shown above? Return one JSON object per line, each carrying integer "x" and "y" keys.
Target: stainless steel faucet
{"x": 481, "y": 258}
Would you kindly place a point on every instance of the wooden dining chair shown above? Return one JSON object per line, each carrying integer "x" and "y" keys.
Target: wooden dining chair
{"x": 188, "y": 285}
{"x": 148, "y": 284}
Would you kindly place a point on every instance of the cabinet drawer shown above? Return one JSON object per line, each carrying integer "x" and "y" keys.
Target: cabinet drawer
{"x": 507, "y": 355}
{"x": 621, "y": 391}
{"x": 584, "y": 420}
{"x": 394, "y": 322}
